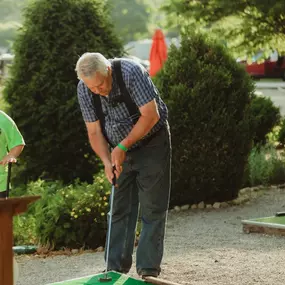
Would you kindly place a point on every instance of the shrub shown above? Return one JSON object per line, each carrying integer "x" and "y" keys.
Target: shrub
{"x": 72, "y": 216}
{"x": 264, "y": 117}
{"x": 281, "y": 132}
{"x": 24, "y": 229}
{"x": 265, "y": 166}
{"x": 208, "y": 96}
{"x": 42, "y": 87}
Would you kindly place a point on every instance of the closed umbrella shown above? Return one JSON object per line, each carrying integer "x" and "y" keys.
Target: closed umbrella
{"x": 158, "y": 52}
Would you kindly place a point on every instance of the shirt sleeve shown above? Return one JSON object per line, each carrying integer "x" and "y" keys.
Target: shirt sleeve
{"x": 86, "y": 103}
{"x": 142, "y": 88}
{"x": 12, "y": 133}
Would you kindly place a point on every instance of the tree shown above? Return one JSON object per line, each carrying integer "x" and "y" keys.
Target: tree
{"x": 247, "y": 25}
{"x": 131, "y": 18}
{"x": 42, "y": 86}
{"x": 10, "y": 10}
{"x": 10, "y": 18}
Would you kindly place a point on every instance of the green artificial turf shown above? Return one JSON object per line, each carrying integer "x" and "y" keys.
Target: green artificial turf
{"x": 117, "y": 279}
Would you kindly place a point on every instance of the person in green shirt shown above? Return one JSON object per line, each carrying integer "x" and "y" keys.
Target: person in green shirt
{"x": 11, "y": 146}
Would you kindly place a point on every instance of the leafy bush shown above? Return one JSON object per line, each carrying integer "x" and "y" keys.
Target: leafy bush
{"x": 24, "y": 229}
{"x": 208, "y": 95}
{"x": 264, "y": 117}
{"x": 266, "y": 166}
{"x": 72, "y": 216}
{"x": 281, "y": 132}
{"x": 42, "y": 87}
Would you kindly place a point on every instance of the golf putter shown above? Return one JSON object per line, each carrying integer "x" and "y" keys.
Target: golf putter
{"x": 8, "y": 179}
{"x": 107, "y": 278}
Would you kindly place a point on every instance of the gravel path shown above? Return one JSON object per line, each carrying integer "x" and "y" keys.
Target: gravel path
{"x": 203, "y": 247}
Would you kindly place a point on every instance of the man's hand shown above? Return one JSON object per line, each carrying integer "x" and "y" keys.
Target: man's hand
{"x": 118, "y": 157}
{"x": 109, "y": 172}
{"x": 8, "y": 158}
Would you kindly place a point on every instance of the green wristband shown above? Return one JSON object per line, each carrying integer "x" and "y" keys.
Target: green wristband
{"x": 122, "y": 147}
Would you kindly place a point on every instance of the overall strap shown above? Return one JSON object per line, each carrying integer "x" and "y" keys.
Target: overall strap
{"x": 127, "y": 99}
{"x": 101, "y": 116}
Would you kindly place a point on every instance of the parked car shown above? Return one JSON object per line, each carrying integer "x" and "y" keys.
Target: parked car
{"x": 271, "y": 67}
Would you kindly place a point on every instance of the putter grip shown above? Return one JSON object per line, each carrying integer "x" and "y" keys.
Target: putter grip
{"x": 8, "y": 179}
{"x": 114, "y": 178}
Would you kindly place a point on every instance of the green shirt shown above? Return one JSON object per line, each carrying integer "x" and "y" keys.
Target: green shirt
{"x": 10, "y": 137}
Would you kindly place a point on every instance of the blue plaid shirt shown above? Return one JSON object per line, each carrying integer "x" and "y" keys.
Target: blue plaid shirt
{"x": 118, "y": 122}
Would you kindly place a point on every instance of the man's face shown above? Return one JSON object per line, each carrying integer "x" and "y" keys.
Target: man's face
{"x": 99, "y": 84}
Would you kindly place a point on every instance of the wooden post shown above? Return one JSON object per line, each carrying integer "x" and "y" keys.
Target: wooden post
{"x": 10, "y": 207}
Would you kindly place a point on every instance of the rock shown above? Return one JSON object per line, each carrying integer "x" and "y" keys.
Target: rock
{"x": 253, "y": 190}
{"x": 254, "y": 195}
{"x": 217, "y": 205}
{"x": 224, "y": 205}
{"x": 74, "y": 251}
{"x": 177, "y": 209}
{"x": 244, "y": 190}
{"x": 194, "y": 206}
{"x": 100, "y": 249}
{"x": 209, "y": 206}
{"x": 240, "y": 200}
{"x": 185, "y": 207}
{"x": 257, "y": 188}
{"x": 201, "y": 205}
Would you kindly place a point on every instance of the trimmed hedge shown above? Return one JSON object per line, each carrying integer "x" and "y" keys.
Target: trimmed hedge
{"x": 265, "y": 116}
{"x": 208, "y": 95}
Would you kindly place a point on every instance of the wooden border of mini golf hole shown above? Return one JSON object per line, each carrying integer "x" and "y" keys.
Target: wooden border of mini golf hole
{"x": 254, "y": 226}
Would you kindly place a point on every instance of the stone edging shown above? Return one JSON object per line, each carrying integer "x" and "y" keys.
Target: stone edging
{"x": 245, "y": 195}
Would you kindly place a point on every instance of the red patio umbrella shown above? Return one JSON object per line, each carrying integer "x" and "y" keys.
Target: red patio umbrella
{"x": 158, "y": 52}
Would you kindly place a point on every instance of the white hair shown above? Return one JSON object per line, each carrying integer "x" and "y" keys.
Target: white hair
{"x": 90, "y": 63}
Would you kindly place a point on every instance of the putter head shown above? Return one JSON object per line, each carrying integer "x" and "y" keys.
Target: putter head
{"x": 105, "y": 279}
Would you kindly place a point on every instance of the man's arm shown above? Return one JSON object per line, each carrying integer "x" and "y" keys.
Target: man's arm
{"x": 100, "y": 147}
{"x": 12, "y": 155}
{"x": 149, "y": 117}
{"x": 98, "y": 142}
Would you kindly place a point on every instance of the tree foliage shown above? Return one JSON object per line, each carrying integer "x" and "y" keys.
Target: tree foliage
{"x": 10, "y": 18}
{"x": 247, "y": 26}
{"x": 131, "y": 18}
{"x": 42, "y": 86}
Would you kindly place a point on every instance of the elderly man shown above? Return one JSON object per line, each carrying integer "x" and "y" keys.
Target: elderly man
{"x": 11, "y": 146}
{"x": 127, "y": 127}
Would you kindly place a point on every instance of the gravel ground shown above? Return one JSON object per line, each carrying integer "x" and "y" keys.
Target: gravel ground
{"x": 203, "y": 247}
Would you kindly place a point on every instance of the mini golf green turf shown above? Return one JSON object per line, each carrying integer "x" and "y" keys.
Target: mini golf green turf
{"x": 271, "y": 220}
{"x": 117, "y": 279}
{"x": 274, "y": 225}
{"x": 268, "y": 220}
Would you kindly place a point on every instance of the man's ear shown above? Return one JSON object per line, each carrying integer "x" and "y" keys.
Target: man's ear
{"x": 109, "y": 71}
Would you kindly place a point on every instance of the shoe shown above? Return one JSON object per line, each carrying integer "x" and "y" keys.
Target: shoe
{"x": 148, "y": 272}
